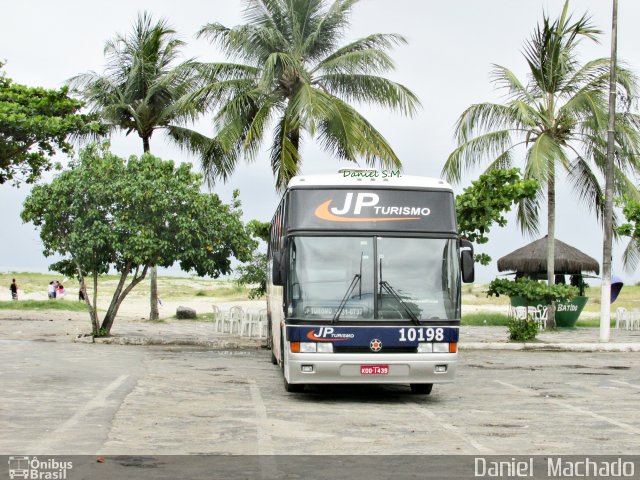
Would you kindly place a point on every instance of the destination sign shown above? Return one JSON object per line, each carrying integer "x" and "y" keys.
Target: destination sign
{"x": 387, "y": 210}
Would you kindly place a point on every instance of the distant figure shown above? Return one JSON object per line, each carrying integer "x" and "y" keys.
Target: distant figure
{"x": 80, "y": 295}
{"x": 60, "y": 291}
{"x": 51, "y": 291}
{"x": 14, "y": 290}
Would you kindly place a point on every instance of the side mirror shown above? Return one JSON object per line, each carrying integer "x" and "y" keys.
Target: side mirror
{"x": 467, "y": 262}
{"x": 276, "y": 272}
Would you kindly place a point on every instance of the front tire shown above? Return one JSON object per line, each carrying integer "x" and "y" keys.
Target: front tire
{"x": 421, "y": 388}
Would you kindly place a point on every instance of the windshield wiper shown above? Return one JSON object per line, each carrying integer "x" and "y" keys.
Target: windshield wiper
{"x": 352, "y": 286}
{"x": 384, "y": 284}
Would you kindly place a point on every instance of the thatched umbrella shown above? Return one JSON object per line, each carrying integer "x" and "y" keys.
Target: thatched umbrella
{"x": 532, "y": 259}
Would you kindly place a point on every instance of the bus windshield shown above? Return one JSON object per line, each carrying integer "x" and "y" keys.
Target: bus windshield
{"x": 373, "y": 278}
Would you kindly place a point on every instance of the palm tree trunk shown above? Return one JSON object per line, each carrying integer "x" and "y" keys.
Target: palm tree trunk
{"x": 154, "y": 314}
{"x": 551, "y": 237}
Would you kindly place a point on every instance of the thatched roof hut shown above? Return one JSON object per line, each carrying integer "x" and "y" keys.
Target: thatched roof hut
{"x": 532, "y": 259}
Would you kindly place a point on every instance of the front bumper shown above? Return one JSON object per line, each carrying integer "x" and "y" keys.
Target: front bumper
{"x": 345, "y": 368}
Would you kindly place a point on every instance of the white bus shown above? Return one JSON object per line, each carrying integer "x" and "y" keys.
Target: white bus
{"x": 364, "y": 281}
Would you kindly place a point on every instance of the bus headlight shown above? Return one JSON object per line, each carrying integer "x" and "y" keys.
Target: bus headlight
{"x": 307, "y": 347}
{"x": 441, "y": 347}
{"x": 313, "y": 347}
{"x": 325, "y": 347}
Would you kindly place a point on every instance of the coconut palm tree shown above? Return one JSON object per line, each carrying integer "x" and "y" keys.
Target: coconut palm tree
{"x": 557, "y": 120}
{"x": 144, "y": 88}
{"x": 290, "y": 80}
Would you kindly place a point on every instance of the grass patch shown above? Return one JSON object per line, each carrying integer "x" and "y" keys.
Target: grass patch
{"x": 593, "y": 322}
{"x": 227, "y": 291}
{"x": 489, "y": 319}
{"x": 43, "y": 305}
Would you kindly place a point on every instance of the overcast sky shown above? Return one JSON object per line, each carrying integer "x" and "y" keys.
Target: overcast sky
{"x": 452, "y": 46}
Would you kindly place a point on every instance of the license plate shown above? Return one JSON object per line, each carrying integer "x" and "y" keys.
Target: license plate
{"x": 374, "y": 369}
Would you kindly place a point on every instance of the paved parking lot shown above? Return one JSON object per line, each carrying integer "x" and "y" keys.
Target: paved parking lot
{"x": 63, "y": 398}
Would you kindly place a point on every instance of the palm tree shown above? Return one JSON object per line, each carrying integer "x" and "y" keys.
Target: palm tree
{"x": 291, "y": 79}
{"x": 144, "y": 89}
{"x": 558, "y": 119}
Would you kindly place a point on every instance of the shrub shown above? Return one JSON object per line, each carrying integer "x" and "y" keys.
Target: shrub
{"x": 531, "y": 290}
{"x": 522, "y": 330}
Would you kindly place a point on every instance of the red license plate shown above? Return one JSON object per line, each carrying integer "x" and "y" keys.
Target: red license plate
{"x": 374, "y": 369}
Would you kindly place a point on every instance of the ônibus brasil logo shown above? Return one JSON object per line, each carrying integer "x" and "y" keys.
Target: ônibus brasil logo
{"x": 383, "y": 213}
{"x": 328, "y": 334}
{"x": 33, "y": 468}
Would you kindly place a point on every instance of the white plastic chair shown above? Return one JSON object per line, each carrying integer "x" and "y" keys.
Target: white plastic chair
{"x": 622, "y": 318}
{"x": 520, "y": 313}
{"x": 236, "y": 314}
{"x": 634, "y": 319}
{"x": 217, "y": 318}
{"x": 262, "y": 331}
{"x": 540, "y": 316}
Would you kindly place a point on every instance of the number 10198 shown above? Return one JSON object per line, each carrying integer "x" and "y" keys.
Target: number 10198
{"x": 421, "y": 334}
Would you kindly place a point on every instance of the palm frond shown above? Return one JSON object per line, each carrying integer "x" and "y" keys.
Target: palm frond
{"x": 527, "y": 215}
{"x": 493, "y": 144}
{"x": 371, "y": 90}
{"x": 631, "y": 256}
{"x": 284, "y": 154}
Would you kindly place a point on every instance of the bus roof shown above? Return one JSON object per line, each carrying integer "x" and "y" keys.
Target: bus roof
{"x": 363, "y": 180}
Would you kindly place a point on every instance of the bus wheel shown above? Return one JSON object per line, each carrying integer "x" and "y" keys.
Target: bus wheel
{"x": 274, "y": 360}
{"x": 421, "y": 388}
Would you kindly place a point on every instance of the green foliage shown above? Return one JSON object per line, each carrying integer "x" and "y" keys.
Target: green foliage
{"x": 254, "y": 273}
{"x": 259, "y": 230}
{"x": 34, "y": 123}
{"x": 100, "y": 332}
{"x": 486, "y": 202}
{"x": 522, "y": 330}
{"x": 531, "y": 290}
{"x": 289, "y": 77}
{"x": 631, "y": 228}
{"x": 105, "y": 213}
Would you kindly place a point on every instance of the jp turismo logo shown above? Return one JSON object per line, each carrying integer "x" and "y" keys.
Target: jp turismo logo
{"x": 375, "y": 345}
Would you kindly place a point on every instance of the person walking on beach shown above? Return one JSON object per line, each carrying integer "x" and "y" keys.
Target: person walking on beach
{"x": 51, "y": 291}
{"x": 14, "y": 290}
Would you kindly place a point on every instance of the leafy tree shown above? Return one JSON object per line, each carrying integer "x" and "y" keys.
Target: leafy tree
{"x": 558, "y": 119}
{"x": 106, "y": 213}
{"x": 34, "y": 123}
{"x": 531, "y": 290}
{"x": 290, "y": 79}
{"x": 631, "y": 229}
{"x": 254, "y": 273}
{"x": 143, "y": 89}
{"x": 487, "y": 200}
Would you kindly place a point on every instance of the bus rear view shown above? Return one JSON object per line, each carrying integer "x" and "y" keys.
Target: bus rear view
{"x": 364, "y": 281}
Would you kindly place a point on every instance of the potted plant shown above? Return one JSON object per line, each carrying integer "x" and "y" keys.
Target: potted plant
{"x": 527, "y": 292}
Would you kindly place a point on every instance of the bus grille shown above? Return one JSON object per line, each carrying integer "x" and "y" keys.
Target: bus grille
{"x": 342, "y": 349}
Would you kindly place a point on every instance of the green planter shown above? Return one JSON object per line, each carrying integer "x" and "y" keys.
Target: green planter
{"x": 567, "y": 313}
